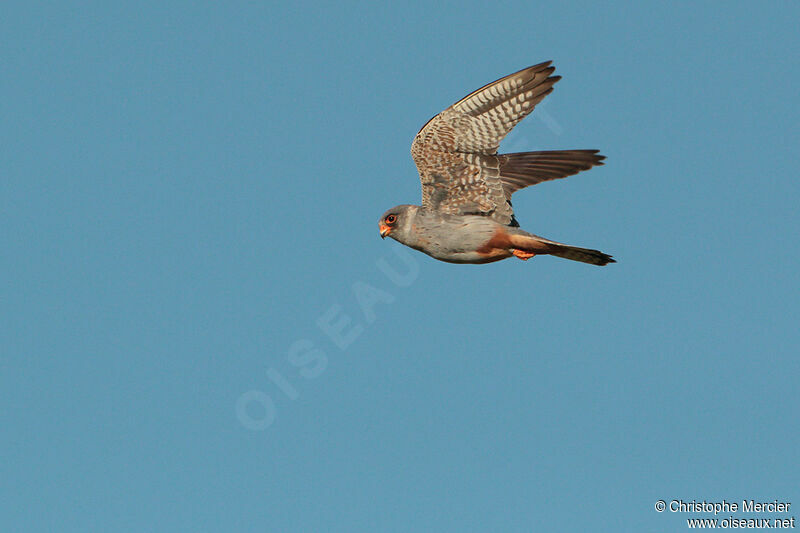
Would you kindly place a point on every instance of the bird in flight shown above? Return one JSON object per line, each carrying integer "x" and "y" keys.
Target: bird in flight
{"x": 466, "y": 214}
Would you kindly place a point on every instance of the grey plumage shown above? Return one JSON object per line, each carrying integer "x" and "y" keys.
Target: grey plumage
{"x": 466, "y": 214}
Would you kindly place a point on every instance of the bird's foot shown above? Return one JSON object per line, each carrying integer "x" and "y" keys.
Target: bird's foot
{"x": 522, "y": 255}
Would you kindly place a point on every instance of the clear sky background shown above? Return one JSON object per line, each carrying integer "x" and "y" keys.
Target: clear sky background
{"x": 189, "y": 193}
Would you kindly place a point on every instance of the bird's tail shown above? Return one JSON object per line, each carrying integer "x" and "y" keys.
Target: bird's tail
{"x": 584, "y": 255}
{"x": 540, "y": 245}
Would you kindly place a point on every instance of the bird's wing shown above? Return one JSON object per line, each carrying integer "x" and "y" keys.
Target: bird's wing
{"x": 521, "y": 170}
{"x": 455, "y": 152}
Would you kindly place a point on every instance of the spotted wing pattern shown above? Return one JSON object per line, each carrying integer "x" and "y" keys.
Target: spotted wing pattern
{"x": 456, "y": 151}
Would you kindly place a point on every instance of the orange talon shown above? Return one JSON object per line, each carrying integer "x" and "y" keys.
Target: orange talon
{"x": 522, "y": 255}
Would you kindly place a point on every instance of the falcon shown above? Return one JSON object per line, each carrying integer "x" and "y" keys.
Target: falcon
{"x": 466, "y": 214}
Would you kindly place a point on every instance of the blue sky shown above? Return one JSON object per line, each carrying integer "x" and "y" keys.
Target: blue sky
{"x": 202, "y": 330}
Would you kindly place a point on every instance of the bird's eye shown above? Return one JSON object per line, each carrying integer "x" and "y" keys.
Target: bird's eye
{"x": 391, "y": 219}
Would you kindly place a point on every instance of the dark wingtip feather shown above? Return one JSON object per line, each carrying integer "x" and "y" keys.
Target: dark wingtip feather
{"x": 598, "y": 157}
{"x": 523, "y": 169}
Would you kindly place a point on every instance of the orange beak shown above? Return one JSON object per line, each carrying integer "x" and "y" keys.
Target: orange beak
{"x": 385, "y": 230}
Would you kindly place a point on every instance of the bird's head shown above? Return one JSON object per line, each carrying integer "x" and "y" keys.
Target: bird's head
{"x": 395, "y": 222}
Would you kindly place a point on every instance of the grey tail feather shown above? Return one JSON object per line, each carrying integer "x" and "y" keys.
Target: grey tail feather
{"x": 584, "y": 255}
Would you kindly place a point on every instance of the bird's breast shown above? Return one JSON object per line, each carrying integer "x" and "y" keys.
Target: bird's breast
{"x": 461, "y": 239}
